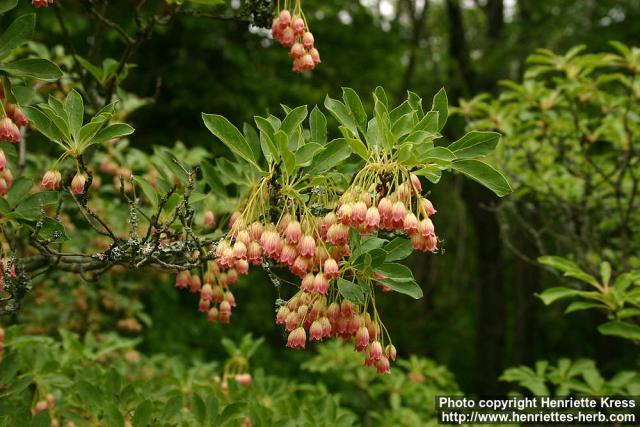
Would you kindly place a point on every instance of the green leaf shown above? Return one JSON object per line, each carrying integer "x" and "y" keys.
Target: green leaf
{"x": 251, "y": 136}
{"x": 150, "y": 193}
{"x": 95, "y": 71}
{"x": 341, "y": 113}
{"x": 551, "y": 295}
{"x": 116, "y": 130}
{"x": 294, "y": 119}
{"x": 620, "y": 329}
{"x": 484, "y": 174}
{"x": 19, "y": 32}
{"x": 358, "y": 147}
{"x": 19, "y": 191}
{"x": 398, "y": 249}
{"x": 318, "y": 126}
{"x": 171, "y": 408}
{"x": 381, "y": 96}
{"x": 351, "y": 291}
{"x": 395, "y": 271}
{"x": 410, "y": 288}
{"x": 90, "y": 394}
{"x": 75, "y": 110}
{"x": 582, "y": 305}
{"x": 198, "y": 409}
{"x": 231, "y": 412}
{"x": 142, "y": 416}
{"x": 475, "y": 144}
{"x": 38, "y": 68}
{"x": 429, "y": 122}
{"x": 288, "y": 158}
{"x": 7, "y": 5}
{"x": 212, "y": 405}
{"x": 41, "y": 419}
{"x": 569, "y": 268}
{"x": 306, "y": 153}
{"x": 335, "y": 152}
{"x": 354, "y": 103}
{"x": 605, "y": 273}
{"x": 230, "y": 136}
{"x": 441, "y": 105}
{"x": 432, "y": 173}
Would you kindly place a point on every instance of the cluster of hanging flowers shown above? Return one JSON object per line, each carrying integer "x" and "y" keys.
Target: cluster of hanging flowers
{"x": 292, "y": 31}
{"x": 12, "y": 119}
{"x": 213, "y": 285}
{"x": 314, "y": 247}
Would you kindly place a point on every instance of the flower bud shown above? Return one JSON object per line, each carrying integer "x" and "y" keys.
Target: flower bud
{"x": 239, "y": 250}
{"x": 297, "y": 338}
{"x": 308, "y": 40}
{"x": 415, "y": 181}
{"x": 284, "y": 18}
{"x": 390, "y": 352}
{"x": 288, "y": 37}
{"x": 331, "y": 268}
{"x": 298, "y": 25}
{"x": 282, "y": 314}
{"x": 315, "y": 55}
{"x": 307, "y": 246}
{"x": 209, "y": 219}
{"x": 241, "y": 267}
{"x": 297, "y": 51}
{"x": 195, "y": 283}
{"x": 382, "y": 365}
{"x": 338, "y": 234}
{"x": 212, "y": 314}
{"x": 51, "y": 180}
{"x": 321, "y": 284}
{"x": 410, "y": 223}
{"x": 293, "y": 232}
{"x": 375, "y": 350}
{"x": 16, "y": 114}
{"x": 362, "y": 339}
{"x": 307, "y": 283}
{"x": 244, "y": 379}
{"x": 9, "y": 131}
{"x": 3, "y": 161}
{"x": 316, "y": 332}
{"x": 77, "y": 184}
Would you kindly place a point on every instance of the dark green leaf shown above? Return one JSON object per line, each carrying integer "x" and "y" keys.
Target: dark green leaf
{"x": 38, "y": 68}
{"x": 620, "y": 329}
{"x": 410, "y": 288}
{"x": 335, "y": 152}
{"x": 306, "y": 153}
{"x": 142, "y": 416}
{"x": 354, "y": 104}
{"x": 318, "y": 126}
{"x": 19, "y": 191}
{"x": 351, "y": 291}
{"x": 342, "y": 114}
{"x": 441, "y": 105}
{"x": 398, "y": 249}
{"x": 294, "y": 119}
{"x": 7, "y": 5}
{"x": 19, "y": 32}
{"x": 114, "y": 131}
{"x": 395, "y": 271}
{"x": 485, "y": 175}
{"x": 229, "y": 135}
{"x": 475, "y": 144}
{"x": 75, "y": 110}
